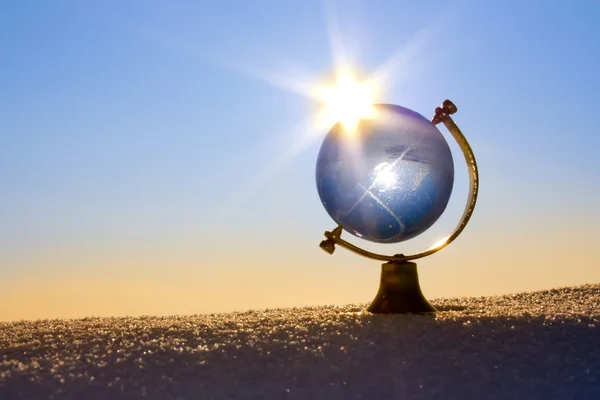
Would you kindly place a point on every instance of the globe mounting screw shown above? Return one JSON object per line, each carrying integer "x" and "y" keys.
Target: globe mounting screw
{"x": 441, "y": 113}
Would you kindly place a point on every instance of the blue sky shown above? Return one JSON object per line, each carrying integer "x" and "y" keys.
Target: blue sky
{"x": 150, "y": 157}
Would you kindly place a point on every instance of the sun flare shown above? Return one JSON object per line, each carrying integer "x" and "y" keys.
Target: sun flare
{"x": 384, "y": 175}
{"x": 348, "y": 101}
{"x": 439, "y": 242}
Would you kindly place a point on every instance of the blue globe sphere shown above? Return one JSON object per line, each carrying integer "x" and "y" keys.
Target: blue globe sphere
{"x": 389, "y": 179}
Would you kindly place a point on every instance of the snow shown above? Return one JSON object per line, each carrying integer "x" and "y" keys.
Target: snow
{"x": 539, "y": 345}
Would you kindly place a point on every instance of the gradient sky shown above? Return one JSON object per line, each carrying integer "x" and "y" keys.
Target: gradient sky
{"x": 155, "y": 159}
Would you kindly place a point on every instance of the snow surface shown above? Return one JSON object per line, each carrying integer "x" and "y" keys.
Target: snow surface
{"x": 541, "y": 345}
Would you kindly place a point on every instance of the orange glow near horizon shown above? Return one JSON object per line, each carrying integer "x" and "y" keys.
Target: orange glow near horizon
{"x": 268, "y": 278}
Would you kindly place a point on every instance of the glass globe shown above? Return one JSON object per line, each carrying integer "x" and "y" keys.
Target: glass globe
{"x": 389, "y": 179}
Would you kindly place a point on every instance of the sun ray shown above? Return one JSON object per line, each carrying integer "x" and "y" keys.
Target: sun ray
{"x": 333, "y": 100}
{"x": 300, "y": 85}
{"x": 339, "y": 58}
{"x": 305, "y": 134}
{"x": 400, "y": 66}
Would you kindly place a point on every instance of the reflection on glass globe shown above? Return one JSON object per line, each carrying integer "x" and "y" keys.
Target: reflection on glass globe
{"x": 388, "y": 180}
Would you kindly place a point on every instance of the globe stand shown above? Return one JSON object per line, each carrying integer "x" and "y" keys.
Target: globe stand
{"x": 399, "y": 291}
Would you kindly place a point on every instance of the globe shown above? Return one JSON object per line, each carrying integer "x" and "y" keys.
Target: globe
{"x": 389, "y": 179}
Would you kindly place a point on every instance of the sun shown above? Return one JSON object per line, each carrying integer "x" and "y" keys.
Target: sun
{"x": 348, "y": 101}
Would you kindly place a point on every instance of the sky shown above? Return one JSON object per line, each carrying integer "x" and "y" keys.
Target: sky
{"x": 158, "y": 158}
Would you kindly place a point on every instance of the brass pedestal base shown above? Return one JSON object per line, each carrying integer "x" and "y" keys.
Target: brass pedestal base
{"x": 399, "y": 291}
